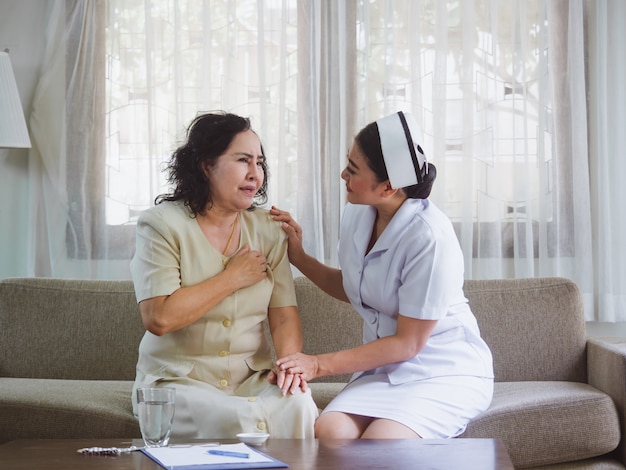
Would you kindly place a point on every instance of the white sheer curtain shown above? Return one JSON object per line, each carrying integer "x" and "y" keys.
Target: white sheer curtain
{"x": 499, "y": 88}
{"x": 607, "y": 154}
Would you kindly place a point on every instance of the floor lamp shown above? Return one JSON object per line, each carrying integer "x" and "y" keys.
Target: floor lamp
{"x": 13, "y": 130}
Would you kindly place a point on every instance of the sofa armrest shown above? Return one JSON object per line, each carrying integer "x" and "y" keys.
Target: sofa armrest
{"x": 606, "y": 369}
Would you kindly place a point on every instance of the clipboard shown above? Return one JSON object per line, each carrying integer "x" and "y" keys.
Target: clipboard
{"x": 197, "y": 457}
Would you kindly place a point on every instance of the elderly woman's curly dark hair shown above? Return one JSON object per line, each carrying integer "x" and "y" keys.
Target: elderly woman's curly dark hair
{"x": 208, "y": 137}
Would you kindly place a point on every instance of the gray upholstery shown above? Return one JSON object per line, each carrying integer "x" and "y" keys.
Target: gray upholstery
{"x": 68, "y": 329}
{"x": 68, "y": 350}
{"x": 535, "y": 327}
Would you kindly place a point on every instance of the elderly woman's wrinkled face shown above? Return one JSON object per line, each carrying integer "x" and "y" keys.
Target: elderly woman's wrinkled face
{"x": 238, "y": 173}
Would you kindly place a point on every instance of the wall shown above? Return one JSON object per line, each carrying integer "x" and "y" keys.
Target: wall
{"x": 606, "y": 329}
{"x": 22, "y": 31}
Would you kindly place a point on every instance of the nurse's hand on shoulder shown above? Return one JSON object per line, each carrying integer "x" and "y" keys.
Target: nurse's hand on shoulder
{"x": 249, "y": 266}
{"x": 292, "y": 229}
{"x": 299, "y": 363}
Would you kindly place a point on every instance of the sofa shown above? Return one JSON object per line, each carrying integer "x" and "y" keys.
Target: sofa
{"x": 68, "y": 350}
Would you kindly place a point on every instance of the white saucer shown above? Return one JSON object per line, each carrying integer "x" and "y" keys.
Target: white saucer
{"x": 253, "y": 438}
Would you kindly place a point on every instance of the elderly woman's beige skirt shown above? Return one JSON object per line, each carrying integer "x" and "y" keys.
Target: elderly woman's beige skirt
{"x": 206, "y": 412}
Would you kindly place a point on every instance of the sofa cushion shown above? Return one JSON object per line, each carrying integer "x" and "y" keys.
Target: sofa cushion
{"x": 590, "y": 464}
{"x": 534, "y": 327}
{"x": 328, "y": 324}
{"x": 542, "y": 423}
{"x": 68, "y": 329}
{"x": 65, "y": 409}
{"x": 324, "y": 392}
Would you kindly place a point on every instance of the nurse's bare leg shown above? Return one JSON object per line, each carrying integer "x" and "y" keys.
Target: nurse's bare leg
{"x": 388, "y": 429}
{"x": 337, "y": 425}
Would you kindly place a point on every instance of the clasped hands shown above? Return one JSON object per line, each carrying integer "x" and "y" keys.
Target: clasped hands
{"x": 293, "y": 372}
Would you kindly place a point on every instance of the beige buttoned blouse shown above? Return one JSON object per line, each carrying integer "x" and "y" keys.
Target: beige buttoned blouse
{"x": 226, "y": 344}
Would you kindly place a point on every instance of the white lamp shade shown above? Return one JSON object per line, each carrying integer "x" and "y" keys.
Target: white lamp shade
{"x": 13, "y": 131}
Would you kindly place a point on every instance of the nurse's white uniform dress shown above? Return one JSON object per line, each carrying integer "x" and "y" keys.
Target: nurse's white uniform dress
{"x": 414, "y": 269}
{"x": 218, "y": 364}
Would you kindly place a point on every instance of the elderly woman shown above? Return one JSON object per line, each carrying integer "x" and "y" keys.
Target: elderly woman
{"x": 210, "y": 267}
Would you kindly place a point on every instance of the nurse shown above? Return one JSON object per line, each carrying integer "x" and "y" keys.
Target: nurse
{"x": 423, "y": 370}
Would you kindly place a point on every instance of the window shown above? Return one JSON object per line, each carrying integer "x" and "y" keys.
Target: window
{"x": 483, "y": 81}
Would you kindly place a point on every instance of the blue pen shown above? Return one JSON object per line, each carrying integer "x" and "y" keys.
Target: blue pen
{"x": 227, "y": 453}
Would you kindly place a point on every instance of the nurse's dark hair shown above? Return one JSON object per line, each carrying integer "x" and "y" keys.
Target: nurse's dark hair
{"x": 208, "y": 137}
{"x": 368, "y": 140}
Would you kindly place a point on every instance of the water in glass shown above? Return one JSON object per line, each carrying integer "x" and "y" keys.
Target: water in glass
{"x": 156, "y": 412}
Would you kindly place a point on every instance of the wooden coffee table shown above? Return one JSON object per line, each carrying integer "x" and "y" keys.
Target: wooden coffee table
{"x": 324, "y": 454}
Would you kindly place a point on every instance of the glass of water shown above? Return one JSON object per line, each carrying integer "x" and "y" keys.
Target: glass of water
{"x": 156, "y": 413}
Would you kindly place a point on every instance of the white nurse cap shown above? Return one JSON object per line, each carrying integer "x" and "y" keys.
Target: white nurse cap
{"x": 401, "y": 139}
